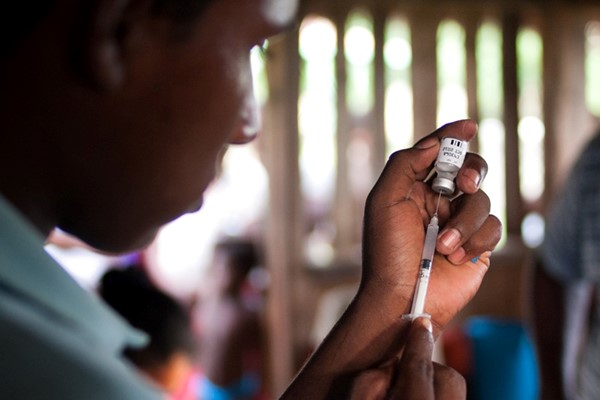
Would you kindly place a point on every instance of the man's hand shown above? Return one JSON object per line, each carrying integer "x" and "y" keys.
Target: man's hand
{"x": 413, "y": 375}
{"x": 371, "y": 332}
{"x": 397, "y": 212}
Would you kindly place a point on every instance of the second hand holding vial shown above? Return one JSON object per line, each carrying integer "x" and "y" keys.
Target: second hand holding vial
{"x": 450, "y": 158}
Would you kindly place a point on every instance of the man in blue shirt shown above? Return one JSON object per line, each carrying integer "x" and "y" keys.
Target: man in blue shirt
{"x": 114, "y": 115}
{"x": 56, "y": 341}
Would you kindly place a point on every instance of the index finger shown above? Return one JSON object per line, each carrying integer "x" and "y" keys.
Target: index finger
{"x": 415, "y": 375}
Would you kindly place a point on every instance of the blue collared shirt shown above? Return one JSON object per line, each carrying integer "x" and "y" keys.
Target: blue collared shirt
{"x": 57, "y": 341}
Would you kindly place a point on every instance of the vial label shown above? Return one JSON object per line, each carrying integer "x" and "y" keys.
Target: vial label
{"x": 452, "y": 151}
{"x": 450, "y": 158}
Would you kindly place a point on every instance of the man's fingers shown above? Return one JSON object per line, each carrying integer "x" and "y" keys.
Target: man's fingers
{"x": 415, "y": 372}
{"x": 372, "y": 384}
{"x": 406, "y": 167}
{"x": 481, "y": 242}
{"x": 470, "y": 230}
{"x": 471, "y": 174}
{"x": 417, "y": 377}
{"x": 448, "y": 383}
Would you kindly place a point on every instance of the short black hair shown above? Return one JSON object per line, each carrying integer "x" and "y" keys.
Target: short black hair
{"x": 131, "y": 294}
{"x": 19, "y": 18}
{"x": 180, "y": 10}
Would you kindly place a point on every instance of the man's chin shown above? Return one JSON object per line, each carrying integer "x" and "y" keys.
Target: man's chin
{"x": 120, "y": 244}
{"x": 195, "y": 207}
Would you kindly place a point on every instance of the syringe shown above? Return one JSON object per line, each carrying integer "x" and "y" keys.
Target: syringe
{"x": 418, "y": 304}
{"x": 450, "y": 159}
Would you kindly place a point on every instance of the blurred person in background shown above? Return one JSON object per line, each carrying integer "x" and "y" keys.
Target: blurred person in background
{"x": 228, "y": 323}
{"x": 169, "y": 358}
{"x": 566, "y": 299}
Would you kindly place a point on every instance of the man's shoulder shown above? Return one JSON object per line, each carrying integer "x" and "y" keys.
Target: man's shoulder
{"x": 43, "y": 357}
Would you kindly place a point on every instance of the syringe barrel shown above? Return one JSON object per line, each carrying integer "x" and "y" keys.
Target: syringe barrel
{"x": 418, "y": 304}
{"x": 430, "y": 239}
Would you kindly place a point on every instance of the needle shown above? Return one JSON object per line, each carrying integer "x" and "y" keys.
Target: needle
{"x": 437, "y": 205}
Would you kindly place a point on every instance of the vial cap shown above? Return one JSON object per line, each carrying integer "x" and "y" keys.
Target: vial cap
{"x": 442, "y": 185}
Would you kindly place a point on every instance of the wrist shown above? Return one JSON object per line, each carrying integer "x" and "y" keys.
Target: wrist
{"x": 371, "y": 330}
{"x": 382, "y": 307}
{"x": 391, "y": 301}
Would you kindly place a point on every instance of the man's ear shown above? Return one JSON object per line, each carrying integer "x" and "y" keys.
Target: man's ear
{"x": 108, "y": 24}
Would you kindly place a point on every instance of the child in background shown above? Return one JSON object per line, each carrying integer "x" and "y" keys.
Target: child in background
{"x": 227, "y": 321}
{"x": 168, "y": 359}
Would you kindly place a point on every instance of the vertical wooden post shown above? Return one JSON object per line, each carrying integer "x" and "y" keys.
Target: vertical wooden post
{"x": 424, "y": 71}
{"x": 567, "y": 121}
{"x": 342, "y": 210}
{"x": 283, "y": 236}
{"x": 471, "y": 25}
{"x": 514, "y": 203}
{"x": 379, "y": 142}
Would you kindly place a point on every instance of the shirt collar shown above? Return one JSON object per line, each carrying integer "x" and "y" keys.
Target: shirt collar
{"x": 27, "y": 270}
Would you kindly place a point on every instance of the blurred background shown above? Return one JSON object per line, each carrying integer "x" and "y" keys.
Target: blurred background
{"x": 351, "y": 83}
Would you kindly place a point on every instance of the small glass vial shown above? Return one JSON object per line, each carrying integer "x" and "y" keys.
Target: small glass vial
{"x": 450, "y": 159}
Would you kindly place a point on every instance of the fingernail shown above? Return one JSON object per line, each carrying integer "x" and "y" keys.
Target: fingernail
{"x": 426, "y": 322}
{"x": 450, "y": 238}
{"x": 474, "y": 177}
{"x": 426, "y": 143}
{"x": 470, "y": 123}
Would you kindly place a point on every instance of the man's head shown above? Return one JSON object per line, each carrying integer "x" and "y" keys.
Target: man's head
{"x": 20, "y": 18}
{"x": 118, "y": 109}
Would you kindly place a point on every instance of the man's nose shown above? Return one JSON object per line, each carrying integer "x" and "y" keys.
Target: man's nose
{"x": 250, "y": 121}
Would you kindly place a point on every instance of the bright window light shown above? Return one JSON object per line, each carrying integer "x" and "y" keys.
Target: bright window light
{"x": 317, "y": 111}
{"x": 451, "y": 64}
